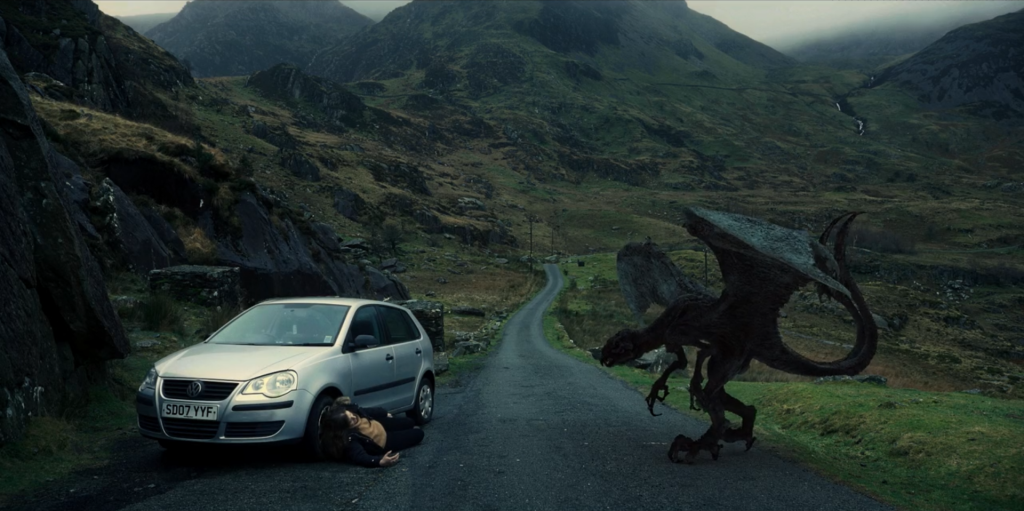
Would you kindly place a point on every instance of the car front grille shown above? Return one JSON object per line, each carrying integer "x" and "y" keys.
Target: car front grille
{"x": 149, "y": 423}
{"x": 252, "y": 429}
{"x": 212, "y": 390}
{"x": 190, "y": 428}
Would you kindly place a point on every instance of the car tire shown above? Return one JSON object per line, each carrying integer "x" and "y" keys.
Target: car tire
{"x": 311, "y": 445}
{"x": 423, "y": 409}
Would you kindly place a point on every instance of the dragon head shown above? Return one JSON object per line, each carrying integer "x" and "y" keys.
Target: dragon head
{"x": 622, "y": 347}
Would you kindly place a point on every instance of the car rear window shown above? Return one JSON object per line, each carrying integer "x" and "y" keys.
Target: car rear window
{"x": 400, "y": 327}
{"x": 286, "y": 324}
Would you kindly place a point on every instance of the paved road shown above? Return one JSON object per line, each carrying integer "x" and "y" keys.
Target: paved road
{"x": 534, "y": 429}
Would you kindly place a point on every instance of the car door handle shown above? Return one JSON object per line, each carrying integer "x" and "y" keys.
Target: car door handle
{"x": 419, "y": 351}
{"x": 389, "y": 358}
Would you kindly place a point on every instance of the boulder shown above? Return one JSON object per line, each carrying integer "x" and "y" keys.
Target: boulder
{"x": 208, "y": 286}
{"x": 301, "y": 167}
{"x": 466, "y": 348}
{"x": 129, "y": 233}
{"x": 57, "y": 326}
{"x": 349, "y": 204}
{"x": 471, "y": 204}
{"x": 431, "y": 316}
{"x": 326, "y": 237}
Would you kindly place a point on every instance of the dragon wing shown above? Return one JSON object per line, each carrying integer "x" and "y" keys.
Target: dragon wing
{"x": 743, "y": 245}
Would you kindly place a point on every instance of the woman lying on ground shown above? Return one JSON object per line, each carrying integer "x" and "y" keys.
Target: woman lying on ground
{"x": 367, "y": 436}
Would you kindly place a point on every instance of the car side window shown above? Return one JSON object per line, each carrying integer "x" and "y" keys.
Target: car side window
{"x": 365, "y": 323}
{"x": 399, "y": 325}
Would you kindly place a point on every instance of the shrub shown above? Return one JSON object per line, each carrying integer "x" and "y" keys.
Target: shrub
{"x": 161, "y": 313}
{"x": 198, "y": 248}
{"x": 217, "y": 318}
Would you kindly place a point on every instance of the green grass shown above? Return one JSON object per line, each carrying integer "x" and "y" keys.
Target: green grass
{"x": 54, "y": 447}
{"x": 911, "y": 448}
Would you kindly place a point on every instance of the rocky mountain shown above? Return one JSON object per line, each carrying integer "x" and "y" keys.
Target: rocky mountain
{"x": 233, "y": 38}
{"x": 979, "y": 64}
{"x": 79, "y": 54}
{"x": 143, "y": 22}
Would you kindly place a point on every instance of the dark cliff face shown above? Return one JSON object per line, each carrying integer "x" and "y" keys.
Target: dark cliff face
{"x": 58, "y": 326}
{"x": 979, "y": 64}
{"x": 98, "y": 60}
{"x": 240, "y": 37}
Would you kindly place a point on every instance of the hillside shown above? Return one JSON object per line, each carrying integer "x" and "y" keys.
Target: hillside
{"x": 233, "y": 38}
{"x": 978, "y": 64}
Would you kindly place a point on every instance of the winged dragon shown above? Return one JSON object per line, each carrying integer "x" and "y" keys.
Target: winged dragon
{"x": 762, "y": 265}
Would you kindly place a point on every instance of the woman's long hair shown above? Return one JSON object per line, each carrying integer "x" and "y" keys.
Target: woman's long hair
{"x": 334, "y": 435}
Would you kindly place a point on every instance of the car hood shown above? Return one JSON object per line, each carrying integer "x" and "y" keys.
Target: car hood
{"x": 234, "y": 362}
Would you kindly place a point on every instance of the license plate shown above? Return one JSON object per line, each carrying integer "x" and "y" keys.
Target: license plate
{"x": 190, "y": 411}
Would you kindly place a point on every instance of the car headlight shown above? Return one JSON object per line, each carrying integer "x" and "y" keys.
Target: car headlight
{"x": 150, "y": 381}
{"x": 273, "y": 385}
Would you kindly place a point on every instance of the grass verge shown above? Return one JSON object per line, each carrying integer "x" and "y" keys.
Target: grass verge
{"x": 913, "y": 449}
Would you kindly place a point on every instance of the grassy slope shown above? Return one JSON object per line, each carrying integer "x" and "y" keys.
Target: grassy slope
{"x": 914, "y": 449}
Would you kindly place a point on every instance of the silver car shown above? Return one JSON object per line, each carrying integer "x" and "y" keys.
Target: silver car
{"x": 271, "y": 373}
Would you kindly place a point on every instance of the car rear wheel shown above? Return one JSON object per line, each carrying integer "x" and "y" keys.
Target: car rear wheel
{"x": 424, "y": 408}
{"x": 311, "y": 442}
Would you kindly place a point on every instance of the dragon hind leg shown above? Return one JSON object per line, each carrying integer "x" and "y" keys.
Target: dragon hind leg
{"x": 748, "y": 413}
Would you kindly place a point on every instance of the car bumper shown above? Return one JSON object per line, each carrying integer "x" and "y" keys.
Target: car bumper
{"x": 242, "y": 419}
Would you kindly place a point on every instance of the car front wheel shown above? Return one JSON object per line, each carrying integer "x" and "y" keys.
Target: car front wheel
{"x": 424, "y": 408}
{"x": 311, "y": 441}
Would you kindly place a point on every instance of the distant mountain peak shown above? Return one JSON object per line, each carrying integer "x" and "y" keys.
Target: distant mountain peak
{"x": 238, "y": 37}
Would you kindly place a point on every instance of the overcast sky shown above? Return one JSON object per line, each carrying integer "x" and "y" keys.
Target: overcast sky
{"x": 771, "y": 22}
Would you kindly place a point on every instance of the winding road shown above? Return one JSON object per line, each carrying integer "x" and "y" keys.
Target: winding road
{"x": 533, "y": 429}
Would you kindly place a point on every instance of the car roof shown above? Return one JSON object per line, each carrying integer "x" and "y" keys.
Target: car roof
{"x": 327, "y": 300}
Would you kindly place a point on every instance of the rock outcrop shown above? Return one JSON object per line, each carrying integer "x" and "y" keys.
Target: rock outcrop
{"x": 338, "y": 107}
{"x": 57, "y": 326}
{"x": 286, "y": 262}
{"x": 130, "y": 234}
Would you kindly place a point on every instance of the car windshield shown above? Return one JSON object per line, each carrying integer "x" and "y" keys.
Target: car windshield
{"x": 286, "y": 324}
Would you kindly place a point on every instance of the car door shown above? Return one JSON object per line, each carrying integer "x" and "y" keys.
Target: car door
{"x": 373, "y": 369}
{"x": 404, "y": 338}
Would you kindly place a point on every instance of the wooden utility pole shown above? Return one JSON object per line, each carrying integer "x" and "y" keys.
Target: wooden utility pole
{"x": 530, "y": 218}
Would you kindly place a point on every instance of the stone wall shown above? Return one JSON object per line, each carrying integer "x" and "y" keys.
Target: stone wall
{"x": 431, "y": 316}
{"x": 209, "y": 286}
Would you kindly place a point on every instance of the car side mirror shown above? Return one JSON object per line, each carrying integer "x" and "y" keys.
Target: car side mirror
{"x": 365, "y": 341}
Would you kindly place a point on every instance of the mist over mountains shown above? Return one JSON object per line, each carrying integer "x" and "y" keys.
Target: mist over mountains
{"x": 867, "y": 45}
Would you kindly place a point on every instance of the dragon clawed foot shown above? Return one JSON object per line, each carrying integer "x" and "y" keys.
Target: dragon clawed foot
{"x": 659, "y": 391}
{"x": 692, "y": 449}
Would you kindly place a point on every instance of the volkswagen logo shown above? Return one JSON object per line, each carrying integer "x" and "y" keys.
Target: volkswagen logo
{"x": 194, "y": 389}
